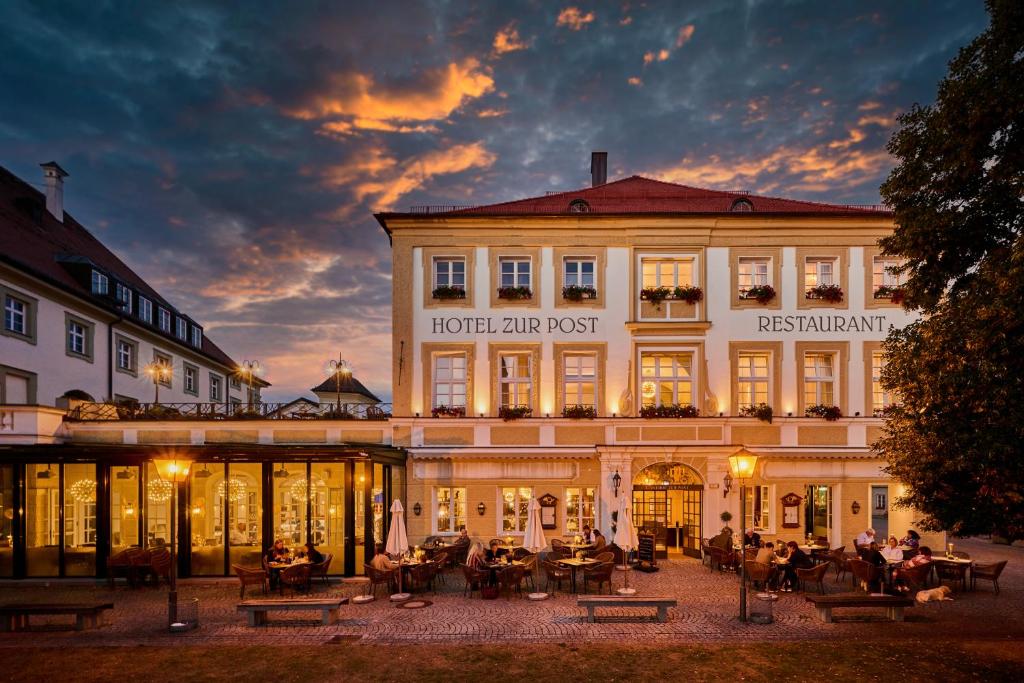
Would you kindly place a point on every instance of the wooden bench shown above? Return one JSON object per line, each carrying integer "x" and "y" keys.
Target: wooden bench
{"x": 593, "y": 601}
{"x": 14, "y": 617}
{"x": 257, "y": 609}
{"x": 893, "y": 604}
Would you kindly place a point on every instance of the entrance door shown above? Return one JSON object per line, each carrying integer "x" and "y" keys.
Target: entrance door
{"x": 667, "y": 502}
{"x": 880, "y": 511}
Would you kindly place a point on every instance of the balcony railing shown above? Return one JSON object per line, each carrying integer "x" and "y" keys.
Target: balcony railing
{"x": 94, "y": 412}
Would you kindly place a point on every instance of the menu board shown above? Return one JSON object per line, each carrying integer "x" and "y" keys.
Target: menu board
{"x": 645, "y": 550}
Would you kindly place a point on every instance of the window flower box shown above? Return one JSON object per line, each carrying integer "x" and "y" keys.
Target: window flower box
{"x": 578, "y": 292}
{"x": 690, "y": 295}
{"x": 833, "y": 294}
{"x": 762, "y": 294}
{"x": 674, "y": 410}
{"x": 515, "y": 293}
{"x": 448, "y": 411}
{"x": 894, "y": 294}
{"x": 448, "y": 292}
{"x": 828, "y": 413}
{"x": 762, "y": 411}
{"x": 509, "y": 413}
{"x": 579, "y": 412}
{"x": 655, "y": 295}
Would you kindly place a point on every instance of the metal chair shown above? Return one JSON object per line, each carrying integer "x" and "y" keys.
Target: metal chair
{"x": 248, "y": 576}
{"x": 988, "y": 572}
{"x": 556, "y": 573}
{"x": 602, "y": 574}
{"x": 815, "y": 574}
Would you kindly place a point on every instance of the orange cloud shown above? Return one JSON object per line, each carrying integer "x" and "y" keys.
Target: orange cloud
{"x": 625, "y": 21}
{"x": 877, "y": 120}
{"x": 634, "y": 80}
{"x": 573, "y": 19}
{"x": 508, "y": 40}
{"x": 443, "y": 91}
{"x": 685, "y": 33}
{"x": 869, "y": 106}
{"x": 491, "y": 113}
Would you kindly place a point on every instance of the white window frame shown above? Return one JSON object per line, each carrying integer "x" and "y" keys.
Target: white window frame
{"x": 99, "y": 283}
{"x": 166, "y": 380}
{"x": 574, "y": 381}
{"x": 190, "y": 379}
{"x": 181, "y": 329}
{"x": 514, "y": 382}
{"x": 579, "y": 278}
{"x": 164, "y": 319}
{"x": 216, "y": 384}
{"x": 748, "y": 379}
{"x": 145, "y": 310}
{"x": 667, "y": 272}
{"x": 78, "y": 338}
{"x": 765, "y": 512}
{"x": 444, "y": 274}
{"x": 580, "y": 518}
{"x": 753, "y": 271}
{"x": 880, "y": 275}
{"x": 816, "y": 273}
{"x": 675, "y": 378}
{"x": 124, "y": 295}
{"x": 197, "y": 337}
{"x": 445, "y": 382}
{"x": 877, "y": 361}
{"x": 11, "y": 304}
{"x": 820, "y": 380}
{"x": 126, "y": 355}
{"x": 521, "y": 270}
{"x": 452, "y": 514}
{"x": 520, "y": 510}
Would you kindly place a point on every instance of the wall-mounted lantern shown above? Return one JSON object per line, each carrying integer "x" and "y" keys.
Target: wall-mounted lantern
{"x": 481, "y": 508}
{"x": 855, "y": 507}
{"x": 616, "y": 482}
{"x": 417, "y": 509}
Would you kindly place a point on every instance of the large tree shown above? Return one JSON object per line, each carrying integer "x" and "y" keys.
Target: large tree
{"x": 956, "y": 439}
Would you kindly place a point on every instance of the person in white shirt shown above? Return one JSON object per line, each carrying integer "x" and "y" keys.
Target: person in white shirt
{"x": 866, "y": 538}
{"x": 891, "y": 551}
{"x": 238, "y": 535}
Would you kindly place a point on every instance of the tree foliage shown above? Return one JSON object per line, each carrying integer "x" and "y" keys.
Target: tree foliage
{"x": 957, "y": 438}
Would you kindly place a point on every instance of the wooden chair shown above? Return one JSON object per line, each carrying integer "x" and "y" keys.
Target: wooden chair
{"x": 556, "y": 573}
{"x": 379, "y": 577}
{"x": 557, "y": 544}
{"x": 248, "y": 576}
{"x": 529, "y": 568}
{"x": 602, "y": 574}
{"x": 759, "y": 573}
{"x": 461, "y": 552}
{"x": 815, "y": 574}
{"x": 296, "y": 577}
{"x": 519, "y": 553}
{"x": 865, "y": 574}
{"x": 319, "y": 569}
{"x": 160, "y": 564}
{"x": 511, "y": 577}
{"x": 499, "y": 541}
{"x": 475, "y": 579}
{"x": 559, "y": 553}
{"x": 988, "y": 572}
{"x": 838, "y": 558}
{"x": 122, "y": 565}
{"x": 916, "y": 578}
{"x": 421, "y": 576}
{"x": 441, "y": 560}
{"x": 605, "y": 557}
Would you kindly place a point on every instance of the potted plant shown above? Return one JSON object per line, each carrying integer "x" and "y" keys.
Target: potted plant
{"x": 762, "y": 294}
{"x": 448, "y": 411}
{"x": 830, "y": 293}
{"x": 655, "y": 295}
{"x": 578, "y": 292}
{"x": 579, "y": 412}
{"x": 762, "y": 411}
{"x": 449, "y": 292}
{"x": 894, "y": 294}
{"x": 689, "y": 294}
{"x": 726, "y": 517}
{"x": 829, "y": 413}
{"x": 509, "y": 413}
{"x": 515, "y": 293}
{"x": 671, "y": 410}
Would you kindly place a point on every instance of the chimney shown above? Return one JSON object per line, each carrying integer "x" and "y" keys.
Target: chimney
{"x": 598, "y": 168}
{"x": 54, "y": 176}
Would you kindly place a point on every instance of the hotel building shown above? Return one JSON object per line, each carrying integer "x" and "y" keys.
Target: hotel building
{"x": 616, "y": 341}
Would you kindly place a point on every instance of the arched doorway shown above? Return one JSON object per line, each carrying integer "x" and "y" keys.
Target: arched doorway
{"x": 667, "y": 501}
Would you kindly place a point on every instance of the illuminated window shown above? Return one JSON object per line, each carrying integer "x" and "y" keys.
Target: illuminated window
{"x": 753, "y": 272}
{"x": 579, "y": 375}
{"x": 450, "y": 513}
{"x": 579, "y": 509}
{"x": 515, "y": 379}
{"x": 450, "y": 272}
{"x": 752, "y": 381}
{"x": 882, "y": 275}
{"x": 666, "y": 379}
{"x": 819, "y": 271}
{"x": 819, "y": 379}
{"x": 669, "y": 273}
{"x": 164, "y": 377}
{"x": 514, "y": 272}
{"x": 449, "y": 381}
{"x": 758, "y": 508}
{"x": 880, "y": 398}
{"x": 515, "y": 503}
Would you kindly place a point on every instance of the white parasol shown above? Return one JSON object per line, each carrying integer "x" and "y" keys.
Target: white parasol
{"x": 398, "y": 544}
{"x": 626, "y": 538}
{"x": 534, "y": 540}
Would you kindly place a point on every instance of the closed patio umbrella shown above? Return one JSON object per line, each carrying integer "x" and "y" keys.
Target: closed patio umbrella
{"x": 398, "y": 544}
{"x": 534, "y": 540}
{"x": 626, "y": 538}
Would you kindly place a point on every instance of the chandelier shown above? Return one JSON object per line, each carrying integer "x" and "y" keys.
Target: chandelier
{"x": 300, "y": 489}
{"x": 83, "y": 491}
{"x": 159, "y": 491}
{"x": 232, "y": 489}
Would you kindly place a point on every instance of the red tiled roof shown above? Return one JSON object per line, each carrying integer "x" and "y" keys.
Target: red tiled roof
{"x": 32, "y": 240}
{"x": 637, "y": 194}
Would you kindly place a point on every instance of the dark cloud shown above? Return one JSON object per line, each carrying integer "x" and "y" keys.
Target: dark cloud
{"x": 233, "y": 154}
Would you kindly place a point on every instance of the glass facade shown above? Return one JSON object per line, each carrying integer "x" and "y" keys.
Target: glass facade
{"x": 125, "y": 509}
{"x": 6, "y": 520}
{"x": 209, "y": 488}
{"x": 244, "y": 504}
{"x": 42, "y": 520}
{"x": 80, "y": 519}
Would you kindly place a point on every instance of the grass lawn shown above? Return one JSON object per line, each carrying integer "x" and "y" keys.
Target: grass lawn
{"x": 848, "y": 660}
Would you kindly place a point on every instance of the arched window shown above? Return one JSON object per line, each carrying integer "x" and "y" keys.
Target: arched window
{"x": 579, "y": 206}
{"x": 741, "y": 205}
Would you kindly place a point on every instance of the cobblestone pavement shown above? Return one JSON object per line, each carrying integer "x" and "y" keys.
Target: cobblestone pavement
{"x": 707, "y": 612}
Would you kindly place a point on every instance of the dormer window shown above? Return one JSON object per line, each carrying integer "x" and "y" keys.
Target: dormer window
{"x": 165, "y": 320}
{"x": 182, "y": 329}
{"x": 124, "y": 296}
{"x": 579, "y": 206}
{"x": 741, "y": 206}
{"x": 100, "y": 283}
{"x": 145, "y": 309}
{"x": 197, "y": 337}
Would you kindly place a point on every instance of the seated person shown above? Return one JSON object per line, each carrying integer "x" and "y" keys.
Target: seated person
{"x": 866, "y": 538}
{"x": 912, "y": 539}
{"x": 463, "y": 538}
{"x": 313, "y": 555}
{"x": 495, "y": 552}
{"x": 599, "y": 542}
{"x": 766, "y": 555}
{"x": 723, "y": 540}
{"x": 874, "y": 555}
{"x": 923, "y": 557}
{"x": 238, "y": 535}
{"x": 476, "y": 557}
{"x": 752, "y": 539}
{"x": 277, "y": 552}
{"x": 796, "y": 559}
{"x": 588, "y": 536}
{"x": 891, "y": 551}
{"x": 381, "y": 561}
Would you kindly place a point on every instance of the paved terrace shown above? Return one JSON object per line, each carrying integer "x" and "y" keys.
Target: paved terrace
{"x": 706, "y": 613}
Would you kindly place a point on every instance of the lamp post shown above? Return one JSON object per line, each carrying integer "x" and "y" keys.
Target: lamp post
{"x": 339, "y": 367}
{"x": 158, "y": 371}
{"x": 250, "y": 368}
{"x": 173, "y": 469}
{"x": 742, "y": 464}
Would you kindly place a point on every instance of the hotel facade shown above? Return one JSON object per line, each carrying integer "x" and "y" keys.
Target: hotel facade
{"x": 619, "y": 341}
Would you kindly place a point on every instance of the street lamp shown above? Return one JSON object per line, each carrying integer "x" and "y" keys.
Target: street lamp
{"x": 250, "y": 368}
{"x": 742, "y": 464}
{"x": 173, "y": 469}
{"x": 159, "y": 371}
{"x": 338, "y": 368}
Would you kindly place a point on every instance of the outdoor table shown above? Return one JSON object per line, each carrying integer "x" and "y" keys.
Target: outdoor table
{"x": 495, "y": 567}
{"x": 958, "y": 561}
{"x": 276, "y": 567}
{"x": 573, "y": 564}
{"x": 575, "y": 548}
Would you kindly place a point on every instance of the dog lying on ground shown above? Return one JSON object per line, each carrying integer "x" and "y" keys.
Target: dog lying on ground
{"x": 940, "y": 594}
